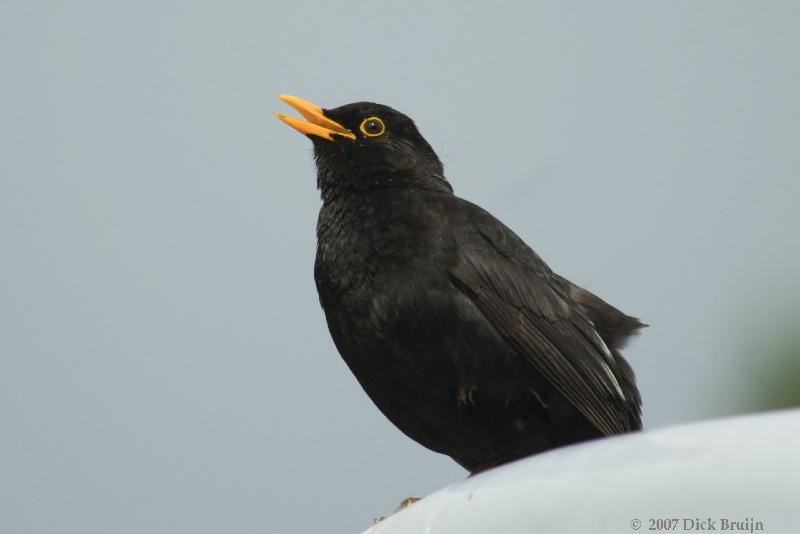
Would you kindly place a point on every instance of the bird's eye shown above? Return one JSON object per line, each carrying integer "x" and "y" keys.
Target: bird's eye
{"x": 372, "y": 127}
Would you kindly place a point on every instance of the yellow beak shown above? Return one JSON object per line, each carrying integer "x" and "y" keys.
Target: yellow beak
{"x": 316, "y": 122}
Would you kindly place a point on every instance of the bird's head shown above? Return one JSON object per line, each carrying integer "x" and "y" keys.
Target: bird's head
{"x": 366, "y": 146}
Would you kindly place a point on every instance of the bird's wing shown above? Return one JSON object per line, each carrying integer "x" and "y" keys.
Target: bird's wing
{"x": 615, "y": 327}
{"x": 521, "y": 298}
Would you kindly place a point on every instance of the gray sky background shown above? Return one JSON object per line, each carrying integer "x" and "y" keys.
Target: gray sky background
{"x": 164, "y": 364}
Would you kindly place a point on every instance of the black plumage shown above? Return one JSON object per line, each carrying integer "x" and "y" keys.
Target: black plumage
{"x": 456, "y": 329}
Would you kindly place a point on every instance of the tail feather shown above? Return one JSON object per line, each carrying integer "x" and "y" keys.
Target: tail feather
{"x": 615, "y": 327}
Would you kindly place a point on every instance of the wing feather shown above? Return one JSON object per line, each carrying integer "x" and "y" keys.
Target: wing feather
{"x": 519, "y": 295}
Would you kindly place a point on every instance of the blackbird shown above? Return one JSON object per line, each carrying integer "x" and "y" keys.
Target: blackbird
{"x": 456, "y": 329}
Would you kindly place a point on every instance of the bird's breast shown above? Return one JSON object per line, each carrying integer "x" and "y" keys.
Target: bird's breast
{"x": 363, "y": 241}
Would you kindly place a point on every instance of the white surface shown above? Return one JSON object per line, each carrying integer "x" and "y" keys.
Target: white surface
{"x": 735, "y": 469}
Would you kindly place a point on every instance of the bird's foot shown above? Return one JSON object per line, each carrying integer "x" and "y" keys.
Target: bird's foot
{"x": 405, "y": 503}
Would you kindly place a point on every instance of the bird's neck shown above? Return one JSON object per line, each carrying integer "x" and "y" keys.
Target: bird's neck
{"x": 360, "y": 212}
{"x": 338, "y": 187}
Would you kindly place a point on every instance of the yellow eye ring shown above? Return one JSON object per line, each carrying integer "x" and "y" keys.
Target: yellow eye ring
{"x": 372, "y": 127}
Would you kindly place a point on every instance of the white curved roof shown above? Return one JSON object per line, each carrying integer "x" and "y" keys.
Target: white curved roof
{"x": 743, "y": 469}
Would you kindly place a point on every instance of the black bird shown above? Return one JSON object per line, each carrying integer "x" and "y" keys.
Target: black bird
{"x": 458, "y": 331}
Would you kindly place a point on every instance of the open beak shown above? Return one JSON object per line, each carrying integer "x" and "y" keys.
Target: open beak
{"x": 316, "y": 122}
